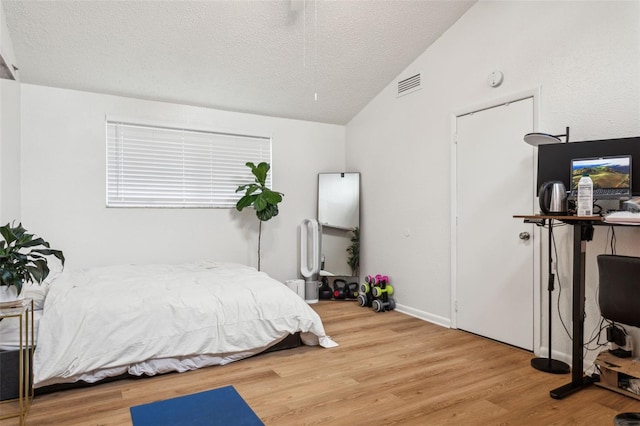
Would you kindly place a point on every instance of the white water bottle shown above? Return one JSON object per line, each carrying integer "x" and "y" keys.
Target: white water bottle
{"x": 585, "y": 196}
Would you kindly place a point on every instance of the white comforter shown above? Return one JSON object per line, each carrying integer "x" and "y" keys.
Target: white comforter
{"x": 155, "y": 318}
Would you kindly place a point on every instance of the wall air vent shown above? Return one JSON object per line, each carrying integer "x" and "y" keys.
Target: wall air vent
{"x": 409, "y": 85}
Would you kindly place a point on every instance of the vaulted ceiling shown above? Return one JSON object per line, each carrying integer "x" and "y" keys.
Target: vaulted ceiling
{"x": 315, "y": 60}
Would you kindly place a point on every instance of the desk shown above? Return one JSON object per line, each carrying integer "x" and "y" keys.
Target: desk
{"x": 582, "y": 232}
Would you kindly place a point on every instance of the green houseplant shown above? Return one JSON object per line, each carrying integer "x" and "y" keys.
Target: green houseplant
{"x": 23, "y": 257}
{"x": 354, "y": 251}
{"x": 256, "y": 194}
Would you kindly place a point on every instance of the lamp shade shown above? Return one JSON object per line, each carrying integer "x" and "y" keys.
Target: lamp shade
{"x": 537, "y": 139}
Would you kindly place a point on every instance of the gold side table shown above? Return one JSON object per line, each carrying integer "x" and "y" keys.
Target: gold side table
{"x": 22, "y": 310}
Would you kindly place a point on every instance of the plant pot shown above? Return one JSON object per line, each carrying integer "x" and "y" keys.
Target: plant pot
{"x": 10, "y": 293}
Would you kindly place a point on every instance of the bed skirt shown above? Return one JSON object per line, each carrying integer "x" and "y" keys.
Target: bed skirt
{"x": 289, "y": 342}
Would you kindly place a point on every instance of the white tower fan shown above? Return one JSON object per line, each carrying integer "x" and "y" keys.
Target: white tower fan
{"x": 310, "y": 253}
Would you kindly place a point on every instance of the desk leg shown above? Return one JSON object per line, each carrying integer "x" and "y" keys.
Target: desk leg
{"x": 582, "y": 232}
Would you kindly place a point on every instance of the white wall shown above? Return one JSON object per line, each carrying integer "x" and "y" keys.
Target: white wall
{"x": 63, "y": 185}
{"x": 584, "y": 56}
{"x": 9, "y": 151}
{"x": 9, "y": 134}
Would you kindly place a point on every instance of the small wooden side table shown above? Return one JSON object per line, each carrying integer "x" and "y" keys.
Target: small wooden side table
{"x": 22, "y": 310}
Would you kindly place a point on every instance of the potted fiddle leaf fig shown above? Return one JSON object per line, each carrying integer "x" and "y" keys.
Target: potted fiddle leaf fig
{"x": 257, "y": 195}
{"x": 23, "y": 258}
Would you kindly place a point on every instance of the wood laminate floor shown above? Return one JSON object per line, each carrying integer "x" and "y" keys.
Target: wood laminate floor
{"x": 390, "y": 368}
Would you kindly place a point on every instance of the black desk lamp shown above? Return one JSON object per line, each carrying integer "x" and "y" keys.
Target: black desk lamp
{"x": 550, "y": 365}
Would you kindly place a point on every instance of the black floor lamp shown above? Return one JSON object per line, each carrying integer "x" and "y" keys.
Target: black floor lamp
{"x": 550, "y": 365}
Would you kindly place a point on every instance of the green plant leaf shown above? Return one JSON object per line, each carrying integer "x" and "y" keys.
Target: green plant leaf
{"x": 353, "y": 250}
{"x": 33, "y": 242}
{"x": 35, "y": 274}
{"x": 18, "y": 231}
{"x": 245, "y": 201}
{"x": 267, "y": 213}
{"x": 260, "y": 172}
{"x": 51, "y": 252}
{"x": 272, "y": 197}
{"x": 7, "y": 234}
{"x": 7, "y": 277}
{"x": 260, "y": 202}
{"x": 24, "y": 257}
{"x": 18, "y": 285}
{"x": 248, "y": 188}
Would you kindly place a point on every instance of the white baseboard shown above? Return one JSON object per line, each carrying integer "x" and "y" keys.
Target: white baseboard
{"x": 446, "y": 322}
{"x": 560, "y": 356}
{"x": 426, "y": 316}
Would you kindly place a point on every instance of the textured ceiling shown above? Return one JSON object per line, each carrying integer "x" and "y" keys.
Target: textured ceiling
{"x": 262, "y": 57}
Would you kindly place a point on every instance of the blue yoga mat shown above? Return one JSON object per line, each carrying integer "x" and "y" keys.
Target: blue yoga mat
{"x": 223, "y": 407}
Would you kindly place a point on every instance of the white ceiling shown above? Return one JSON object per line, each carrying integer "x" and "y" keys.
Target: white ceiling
{"x": 263, "y": 57}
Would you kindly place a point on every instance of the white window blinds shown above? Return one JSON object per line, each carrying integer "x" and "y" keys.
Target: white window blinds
{"x": 167, "y": 167}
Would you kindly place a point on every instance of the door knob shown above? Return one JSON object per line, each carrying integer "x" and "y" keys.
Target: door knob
{"x": 524, "y": 236}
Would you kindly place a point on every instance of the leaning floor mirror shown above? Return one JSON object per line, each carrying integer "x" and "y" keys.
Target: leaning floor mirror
{"x": 339, "y": 214}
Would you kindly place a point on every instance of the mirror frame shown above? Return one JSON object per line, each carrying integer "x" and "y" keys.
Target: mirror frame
{"x": 344, "y": 219}
{"x": 338, "y": 235}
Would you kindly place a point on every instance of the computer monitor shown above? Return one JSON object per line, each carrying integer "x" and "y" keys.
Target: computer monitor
{"x": 554, "y": 160}
{"x": 611, "y": 176}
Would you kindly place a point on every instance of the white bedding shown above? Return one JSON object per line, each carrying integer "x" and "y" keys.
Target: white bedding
{"x": 155, "y": 318}
{"x": 10, "y": 331}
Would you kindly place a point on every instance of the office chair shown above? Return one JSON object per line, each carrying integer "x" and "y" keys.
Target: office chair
{"x": 619, "y": 299}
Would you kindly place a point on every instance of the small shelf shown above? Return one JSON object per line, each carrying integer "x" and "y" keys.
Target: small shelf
{"x": 612, "y": 369}
{"x": 22, "y": 311}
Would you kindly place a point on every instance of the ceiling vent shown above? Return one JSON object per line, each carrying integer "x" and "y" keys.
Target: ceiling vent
{"x": 410, "y": 85}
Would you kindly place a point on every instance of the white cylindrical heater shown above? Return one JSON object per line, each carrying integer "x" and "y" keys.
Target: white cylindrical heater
{"x": 310, "y": 252}
{"x": 297, "y": 286}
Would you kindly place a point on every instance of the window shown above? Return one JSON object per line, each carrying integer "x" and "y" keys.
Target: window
{"x": 151, "y": 166}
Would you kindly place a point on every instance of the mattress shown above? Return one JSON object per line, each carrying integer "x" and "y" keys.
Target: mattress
{"x": 151, "y": 319}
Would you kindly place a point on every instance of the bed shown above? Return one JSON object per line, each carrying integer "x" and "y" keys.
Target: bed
{"x": 151, "y": 319}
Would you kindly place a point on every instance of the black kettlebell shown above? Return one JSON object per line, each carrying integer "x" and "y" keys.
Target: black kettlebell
{"x": 325, "y": 292}
{"x": 352, "y": 291}
{"x": 339, "y": 289}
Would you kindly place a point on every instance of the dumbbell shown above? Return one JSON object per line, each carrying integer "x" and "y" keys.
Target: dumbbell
{"x": 380, "y": 291}
{"x": 381, "y": 279}
{"x": 381, "y": 306}
{"x": 365, "y": 287}
{"x": 363, "y": 300}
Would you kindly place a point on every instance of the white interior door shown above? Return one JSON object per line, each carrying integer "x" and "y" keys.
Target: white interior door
{"x": 494, "y": 266}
